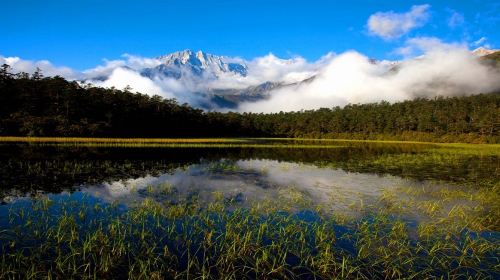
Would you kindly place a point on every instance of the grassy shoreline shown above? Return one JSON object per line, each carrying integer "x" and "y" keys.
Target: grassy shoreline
{"x": 115, "y": 140}
{"x": 37, "y": 139}
{"x": 294, "y": 143}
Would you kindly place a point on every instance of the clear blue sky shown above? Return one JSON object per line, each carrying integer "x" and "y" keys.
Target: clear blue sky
{"x": 81, "y": 33}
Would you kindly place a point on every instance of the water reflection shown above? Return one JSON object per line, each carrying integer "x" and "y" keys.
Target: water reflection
{"x": 405, "y": 204}
{"x": 245, "y": 182}
{"x": 26, "y": 169}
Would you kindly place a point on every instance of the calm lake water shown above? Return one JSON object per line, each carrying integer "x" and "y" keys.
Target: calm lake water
{"x": 348, "y": 178}
{"x": 307, "y": 202}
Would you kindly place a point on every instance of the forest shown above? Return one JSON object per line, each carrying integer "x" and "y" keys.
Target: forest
{"x": 34, "y": 105}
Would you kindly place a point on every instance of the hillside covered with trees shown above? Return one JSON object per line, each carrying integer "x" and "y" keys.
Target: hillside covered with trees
{"x": 33, "y": 105}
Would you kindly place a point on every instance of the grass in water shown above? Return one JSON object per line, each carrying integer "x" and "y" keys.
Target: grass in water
{"x": 80, "y": 238}
{"x": 466, "y": 149}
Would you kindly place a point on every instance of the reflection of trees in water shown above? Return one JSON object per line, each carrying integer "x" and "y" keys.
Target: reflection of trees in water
{"x": 28, "y": 168}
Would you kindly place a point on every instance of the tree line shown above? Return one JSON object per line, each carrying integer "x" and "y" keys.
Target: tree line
{"x": 34, "y": 105}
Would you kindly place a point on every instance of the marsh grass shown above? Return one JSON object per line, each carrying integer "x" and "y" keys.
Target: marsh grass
{"x": 116, "y": 140}
{"x": 461, "y": 148}
{"x": 159, "y": 142}
{"x": 410, "y": 233}
{"x": 81, "y": 238}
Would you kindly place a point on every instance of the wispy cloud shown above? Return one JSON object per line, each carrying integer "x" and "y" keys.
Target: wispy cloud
{"x": 481, "y": 42}
{"x": 456, "y": 19}
{"x": 390, "y": 25}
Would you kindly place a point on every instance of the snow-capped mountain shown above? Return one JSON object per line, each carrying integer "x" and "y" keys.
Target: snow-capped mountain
{"x": 217, "y": 82}
{"x": 482, "y": 51}
{"x": 195, "y": 64}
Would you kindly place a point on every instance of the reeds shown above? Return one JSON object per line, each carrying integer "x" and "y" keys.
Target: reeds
{"x": 116, "y": 140}
{"x": 416, "y": 233}
{"x": 69, "y": 238}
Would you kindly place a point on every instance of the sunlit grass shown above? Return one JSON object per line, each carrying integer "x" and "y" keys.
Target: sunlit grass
{"x": 116, "y": 140}
{"x": 158, "y": 142}
{"x": 468, "y": 149}
{"x": 194, "y": 241}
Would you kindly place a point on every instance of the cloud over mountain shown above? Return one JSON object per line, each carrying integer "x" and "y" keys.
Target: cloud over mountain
{"x": 442, "y": 70}
{"x": 270, "y": 84}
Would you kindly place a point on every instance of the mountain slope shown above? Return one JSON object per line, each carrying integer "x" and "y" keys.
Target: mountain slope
{"x": 493, "y": 56}
{"x": 214, "y": 82}
{"x": 190, "y": 64}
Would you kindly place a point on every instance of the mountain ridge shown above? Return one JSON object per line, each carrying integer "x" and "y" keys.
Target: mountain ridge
{"x": 204, "y": 75}
{"x": 185, "y": 63}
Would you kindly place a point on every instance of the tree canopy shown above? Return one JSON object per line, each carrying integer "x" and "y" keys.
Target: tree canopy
{"x": 34, "y": 105}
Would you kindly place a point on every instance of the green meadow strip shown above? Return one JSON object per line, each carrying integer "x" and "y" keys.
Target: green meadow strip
{"x": 116, "y": 140}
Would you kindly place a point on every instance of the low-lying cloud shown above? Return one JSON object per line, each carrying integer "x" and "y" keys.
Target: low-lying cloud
{"x": 122, "y": 78}
{"x": 429, "y": 68}
{"x": 20, "y": 65}
{"x": 440, "y": 70}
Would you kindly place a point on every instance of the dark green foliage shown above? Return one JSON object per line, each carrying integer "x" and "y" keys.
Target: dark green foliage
{"x": 52, "y": 106}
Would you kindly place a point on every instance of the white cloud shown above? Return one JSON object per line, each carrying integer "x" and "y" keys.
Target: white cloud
{"x": 456, "y": 19}
{"x": 390, "y": 25}
{"x": 442, "y": 70}
{"x": 48, "y": 69}
{"x": 131, "y": 62}
{"x": 122, "y": 77}
{"x": 271, "y": 68}
{"x": 421, "y": 45}
{"x": 430, "y": 68}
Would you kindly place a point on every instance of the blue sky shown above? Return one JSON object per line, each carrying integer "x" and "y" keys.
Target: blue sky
{"x": 81, "y": 33}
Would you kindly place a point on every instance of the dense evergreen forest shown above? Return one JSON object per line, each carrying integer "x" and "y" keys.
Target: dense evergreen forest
{"x": 33, "y": 105}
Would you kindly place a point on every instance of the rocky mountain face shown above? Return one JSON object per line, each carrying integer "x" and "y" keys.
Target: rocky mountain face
{"x": 194, "y": 64}
{"x": 200, "y": 67}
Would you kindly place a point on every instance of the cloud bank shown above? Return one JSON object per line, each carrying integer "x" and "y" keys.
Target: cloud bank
{"x": 192, "y": 88}
{"x": 390, "y": 25}
{"x": 430, "y": 68}
{"x": 440, "y": 70}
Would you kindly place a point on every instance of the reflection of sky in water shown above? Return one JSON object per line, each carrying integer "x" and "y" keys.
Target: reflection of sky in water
{"x": 249, "y": 181}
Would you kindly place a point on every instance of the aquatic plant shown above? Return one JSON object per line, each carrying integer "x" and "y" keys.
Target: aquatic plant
{"x": 82, "y": 238}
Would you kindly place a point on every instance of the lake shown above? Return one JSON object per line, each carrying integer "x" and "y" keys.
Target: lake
{"x": 250, "y": 208}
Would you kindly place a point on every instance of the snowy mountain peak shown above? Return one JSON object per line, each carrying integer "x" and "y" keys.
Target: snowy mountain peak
{"x": 201, "y": 56}
{"x": 482, "y": 51}
{"x": 187, "y": 62}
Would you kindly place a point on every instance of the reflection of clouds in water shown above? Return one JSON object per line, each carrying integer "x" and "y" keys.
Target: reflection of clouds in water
{"x": 253, "y": 180}
{"x": 333, "y": 188}
{"x": 184, "y": 182}
{"x": 119, "y": 189}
